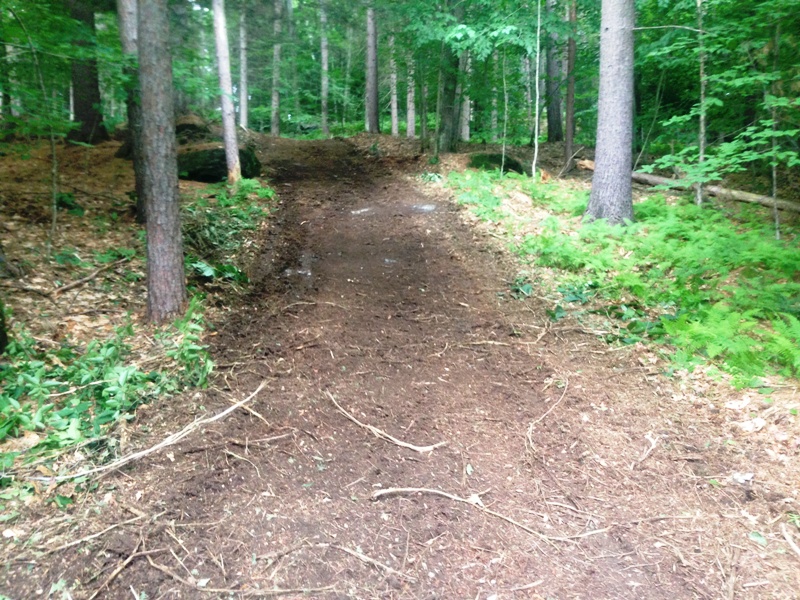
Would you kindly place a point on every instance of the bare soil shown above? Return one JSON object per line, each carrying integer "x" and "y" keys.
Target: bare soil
{"x": 567, "y": 468}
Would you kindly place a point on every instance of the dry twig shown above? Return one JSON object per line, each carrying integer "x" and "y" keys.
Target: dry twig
{"x": 168, "y": 441}
{"x": 366, "y": 559}
{"x": 789, "y": 540}
{"x": 88, "y": 278}
{"x": 382, "y": 434}
{"x": 121, "y": 568}
{"x": 89, "y": 538}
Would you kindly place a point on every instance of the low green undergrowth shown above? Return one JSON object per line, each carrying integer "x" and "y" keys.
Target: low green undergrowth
{"x": 214, "y": 225}
{"x": 53, "y": 399}
{"x": 711, "y": 285}
{"x": 56, "y": 398}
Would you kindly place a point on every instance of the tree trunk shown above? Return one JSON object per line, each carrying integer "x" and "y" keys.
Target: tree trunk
{"x": 494, "y": 115}
{"x": 701, "y": 133}
{"x": 128, "y": 32}
{"x": 411, "y": 117}
{"x": 347, "y": 69}
{"x": 5, "y": 86}
{"x": 611, "y": 196}
{"x": 166, "y": 288}
{"x": 3, "y": 332}
{"x": 226, "y": 93}
{"x": 423, "y": 117}
{"x": 373, "y": 123}
{"x": 86, "y": 83}
{"x": 275, "y": 125}
{"x": 526, "y": 81}
{"x": 555, "y": 130}
{"x": 244, "y": 90}
{"x": 393, "y": 89}
{"x": 466, "y": 104}
{"x": 449, "y": 107}
{"x": 569, "y": 137}
{"x": 323, "y": 19}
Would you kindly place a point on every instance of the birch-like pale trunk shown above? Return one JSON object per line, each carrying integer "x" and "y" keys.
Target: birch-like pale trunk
{"x": 537, "y": 93}
{"x": 494, "y": 115}
{"x": 127, "y": 12}
{"x": 411, "y": 116}
{"x": 466, "y": 102}
{"x": 393, "y": 89}
{"x": 701, "y": 134}
{"x": 275, "y": 124}
{"x": 244, "y": 91}
{"x": 526, "y": 81}
{"x": 347, "y": 70}
{"x": 226, "y": 93}
{"x": 569, "y": 133}
{"x": 372, "y": 121}
{"x": 325, "y": 83}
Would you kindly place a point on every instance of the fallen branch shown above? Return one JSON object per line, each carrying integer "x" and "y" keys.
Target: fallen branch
{"x": 121, "y": 568}
{"x": 233, "y": 592}
{"x": 88, "y": 278}
{"x": 473, "y": 500}
{"x": 366, "y": 559}
{"x": 89, "y": 538}
{"x": 382, "y": 434}
{"x": 168, "y": 441}
{"x": 789, "y": 540}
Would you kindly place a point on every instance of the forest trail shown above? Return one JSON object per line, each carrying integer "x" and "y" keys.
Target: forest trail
{"x": 372, "y": 291}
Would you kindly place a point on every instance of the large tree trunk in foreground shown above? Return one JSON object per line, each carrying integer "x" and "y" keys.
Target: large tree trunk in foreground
{"x": 226, "y": 93}
{"x": 555, "y": 129}
{"x": 373, "y": 122}
{"x": 275, "y": 125}
{"x": 244, "y": 91}
{"x": 128, "y": 32}
{"x": 449, "y": 106}
{"x": 86, "y": 83}
{"x": 611, "y": 196}
{"x": 166, "y": 287}
{"x": 325, "y": 83}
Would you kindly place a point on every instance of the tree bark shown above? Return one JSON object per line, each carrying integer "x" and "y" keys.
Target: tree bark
{"x": 128, "y": 32}
{"x": 393, "y": 89}
{"x": 465, "y": 67}
{"x": 611, "y": 196}
{"x": 323, "y": 19}
{"x": 86, "y": 83}
{"x": 3, "y": 332}
{"x": 411, "y": 116}
{"x": 226, "y": 93}
{"x": 275, "y": 125}
{"x": 569, "y": 137}
{"x": 244, "y": 88}
{"x": 555, "y": 130}
{"x": 166, "y": 288}
{"x": 5, "y": 86}
{"x": 373, "y": 122}
{"x": 449, "y": 107}
{"x": 701, "y": 133}
{"x": 494, "y": 114}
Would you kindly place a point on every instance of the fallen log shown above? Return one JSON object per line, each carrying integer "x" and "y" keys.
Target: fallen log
{"x": 711, "y": 190}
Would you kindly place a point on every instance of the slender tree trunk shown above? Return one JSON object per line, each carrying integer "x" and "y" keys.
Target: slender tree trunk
{"x": 226, "y": 93}
{"x": 494, "y": 115}
{"x": 701, "y": 134}
{"x": 166, "y": 288}
{"x": 244, "y": 88}
{"x": 411, "y": 117}
{"x": 3, "y": 332}
{"x": 537, "y": 96}
{"x": 323, "y": 19}
{"x": 373, "y": 122}
{"x": 347, "y": 70}
{"x": 275, "y": 125}
{"x": 128, "y": 31}
{"x": 423, "y": 117}
{"x": 569, "y": 145}
{"x": 526, "y": 81}
{"x": 5, "y": 86}
{"x": 611, "y": 196}
{"x": 466, "y": 103}
{"x": 293, "y": 55}
{"x": 393, "y": 89}
{"x": 86, "y": 83}
{"x": 555, "y": 130}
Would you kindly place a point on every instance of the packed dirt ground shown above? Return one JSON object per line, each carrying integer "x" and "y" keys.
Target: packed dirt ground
{"x": 417, "y": 433}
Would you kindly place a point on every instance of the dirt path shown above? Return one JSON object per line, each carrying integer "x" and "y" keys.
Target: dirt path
{"x": 592, "y": 482}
